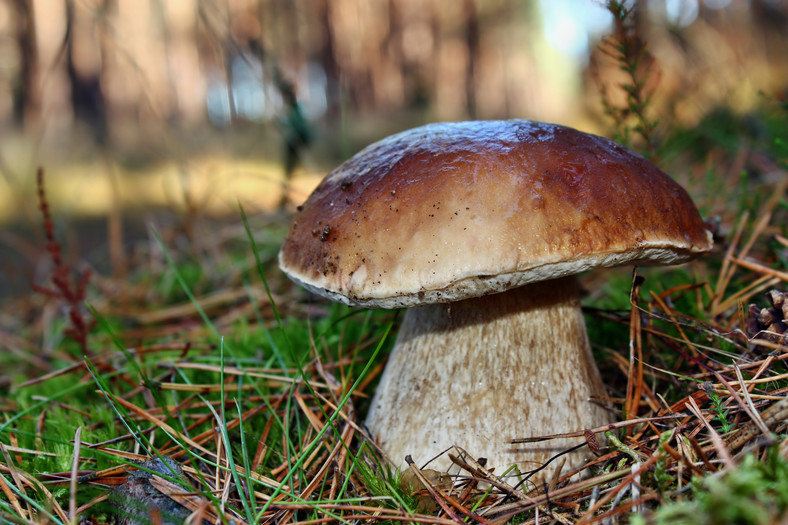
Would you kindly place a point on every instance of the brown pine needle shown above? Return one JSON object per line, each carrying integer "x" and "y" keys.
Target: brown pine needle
{"x": 159, "y": 423}
{"x": 741, "y": 296}
{"x": 247, "y": 372}
{"x": 757, "y": 267}
{"x": 726, "y": 273}
{"x": 20, "y": 450}
{"x": 611, "y": 426}
{"x": 13, "y": 500}
{"x": 20, "y": 486}
{"x": 207, "y": 303}
{"x": 22, "y": 479}
{"x": 310, "y": 415}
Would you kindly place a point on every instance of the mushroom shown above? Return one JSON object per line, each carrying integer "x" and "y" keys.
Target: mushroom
{"x": 479, "y": 228}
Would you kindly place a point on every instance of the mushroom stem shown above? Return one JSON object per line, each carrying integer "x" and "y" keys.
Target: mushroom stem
{"x": 480, "y": 372}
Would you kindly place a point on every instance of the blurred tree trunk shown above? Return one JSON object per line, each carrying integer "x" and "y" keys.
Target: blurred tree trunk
{"x": 360, "y": 81}
{"x": 328, "y": 59}
{"x": 771, "y": 18}
{"x": 773, "y": 15}
{"x": 472, "y": 43}
{"x": 293, "y": 46}
{"x": 86, "y": 63}
{"x": 87, "y": 98}
{"x": 172, "y": 113}
{"x": 391, "y": 51}
{"x": 25, "y": 89}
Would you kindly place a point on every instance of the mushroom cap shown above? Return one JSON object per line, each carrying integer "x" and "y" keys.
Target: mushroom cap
{"x": 450, "y": 211}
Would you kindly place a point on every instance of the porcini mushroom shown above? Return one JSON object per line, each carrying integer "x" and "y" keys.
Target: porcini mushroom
{"x": 479, "y": 229}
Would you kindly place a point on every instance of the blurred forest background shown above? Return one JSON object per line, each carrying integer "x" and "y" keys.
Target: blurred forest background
{"x": 170, "y": 110}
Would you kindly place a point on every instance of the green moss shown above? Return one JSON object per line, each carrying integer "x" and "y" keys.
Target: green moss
{"x": 753, "y": 493}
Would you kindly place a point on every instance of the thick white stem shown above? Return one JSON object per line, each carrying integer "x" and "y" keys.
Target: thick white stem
{"x": 480, "y": 372}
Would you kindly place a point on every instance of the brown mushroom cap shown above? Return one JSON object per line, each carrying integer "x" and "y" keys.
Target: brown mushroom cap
{"x": 450, "y": 211}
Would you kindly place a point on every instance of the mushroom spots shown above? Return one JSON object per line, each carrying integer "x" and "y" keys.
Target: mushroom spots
{"x": 329, "y": 267}
{"x": 329, "y": 264}
{"x": 433, "y": 211}
{"x": 323, "y": 233}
